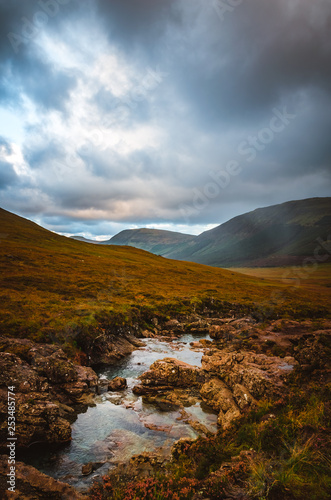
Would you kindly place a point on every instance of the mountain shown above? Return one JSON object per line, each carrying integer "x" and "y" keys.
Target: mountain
{"x": 278, "y": 235}
{"x": 274, "y": 236}
{"x": 156, "y": 241}
{"x": 86, "y": 240}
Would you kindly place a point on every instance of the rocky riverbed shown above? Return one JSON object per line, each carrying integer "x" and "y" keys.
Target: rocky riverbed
{"x": 244, "y": 363}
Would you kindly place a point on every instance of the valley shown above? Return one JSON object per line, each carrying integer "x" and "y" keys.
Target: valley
{"x": 131, "y": 368}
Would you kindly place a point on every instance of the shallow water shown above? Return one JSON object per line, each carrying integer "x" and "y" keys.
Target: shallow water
{"x": 115, "y": 428}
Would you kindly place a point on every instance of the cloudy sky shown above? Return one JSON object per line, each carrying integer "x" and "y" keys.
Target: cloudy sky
{"x": 173, "y": 114}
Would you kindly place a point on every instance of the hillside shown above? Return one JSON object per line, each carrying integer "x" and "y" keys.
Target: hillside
{"x": 82, "y": 238}
{"x": 156, "y": 241}
{"x": 279, "y": 235}
{"x": 50, "y": 284}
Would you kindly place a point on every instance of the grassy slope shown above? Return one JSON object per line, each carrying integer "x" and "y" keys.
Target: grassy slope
{"x": 49, "y": 282}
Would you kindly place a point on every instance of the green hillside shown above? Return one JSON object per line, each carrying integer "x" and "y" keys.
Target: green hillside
{"x": 278, "y": 235}
{"x": 156, "y": 241}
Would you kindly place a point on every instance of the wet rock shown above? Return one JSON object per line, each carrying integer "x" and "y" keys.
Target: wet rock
{"x": 171, "y": 372}
{"x": 174, "y": 326}
{"x": 117, "y": 384}
{"x": 225, "y": 331}
{"x": 47, "y": 387}
{"x": 165, "y": 405}
{"x": 200, "y": 326}
{"x": 155, "y": 427}
{"x": 220, "y": 398}
{"x": 33, "y": 485}
{"x": 243, "y": 397}
{"x": 107, "y": 348}
{"x": 87, "y": 469}
{"x": 148, "y": 334}
{"x": 261, "y": 375}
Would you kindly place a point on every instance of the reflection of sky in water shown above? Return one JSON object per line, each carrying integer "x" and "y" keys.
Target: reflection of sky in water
{"x": 111, "y": 431}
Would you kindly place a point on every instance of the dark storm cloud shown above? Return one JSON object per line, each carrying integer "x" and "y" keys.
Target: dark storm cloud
{"x": 253, "y": 58}
{"x": 23, "y": 67}
{"x": 137, "y": 25}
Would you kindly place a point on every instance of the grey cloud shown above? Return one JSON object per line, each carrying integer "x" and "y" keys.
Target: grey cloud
{"x": 8, "y": 175}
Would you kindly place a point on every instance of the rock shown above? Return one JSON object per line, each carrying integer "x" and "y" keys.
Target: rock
{"x": 147, "y": 334}
{"x": 173, "y": 325}
{"x": 170, "y": 371}
{"x": 165, "y": 405}
{"x": 220, "y": 398}
{"x": 87, "y": 469}
{"x": 199, "y": 427}
{"x": 87, "y": 375}
{"x": 243, "y": 397}
{"x": 199, "y": 326}
{"x": 261, "y": 375}
{"x": 47, "y": 386}
{"x": 33, "y": 485}
{"x": 155, "y": 427}
{"x": 51, "y": 362}
{"x": 107, "y": 348}
{"x": 117, "y": 384}
{"x": 225, "y": 331}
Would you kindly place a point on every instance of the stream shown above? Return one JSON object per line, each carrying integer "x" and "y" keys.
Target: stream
{"x": 115, "y": 428}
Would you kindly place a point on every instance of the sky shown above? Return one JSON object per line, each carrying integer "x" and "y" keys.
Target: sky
{"x": 169, "y": 114}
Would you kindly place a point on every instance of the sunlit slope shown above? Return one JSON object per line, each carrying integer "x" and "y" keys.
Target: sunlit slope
{"x": 50, "y": 281}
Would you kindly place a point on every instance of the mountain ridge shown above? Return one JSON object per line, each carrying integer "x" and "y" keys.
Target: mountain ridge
{"x": 281, "y": 234}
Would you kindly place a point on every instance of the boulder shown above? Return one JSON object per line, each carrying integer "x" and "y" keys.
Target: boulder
{"x": 46, "y": 385}
{"x": 259, "y": 374}
{"x": 107, "y": 348}
{"x": 171, "y": 372}
{"x": 87, "y": 469}
{"x": 216, "y": 394}
{"x": 117, "y": 384}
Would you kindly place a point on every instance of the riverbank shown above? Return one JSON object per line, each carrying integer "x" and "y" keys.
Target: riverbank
{"x": 245, "y": 363}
